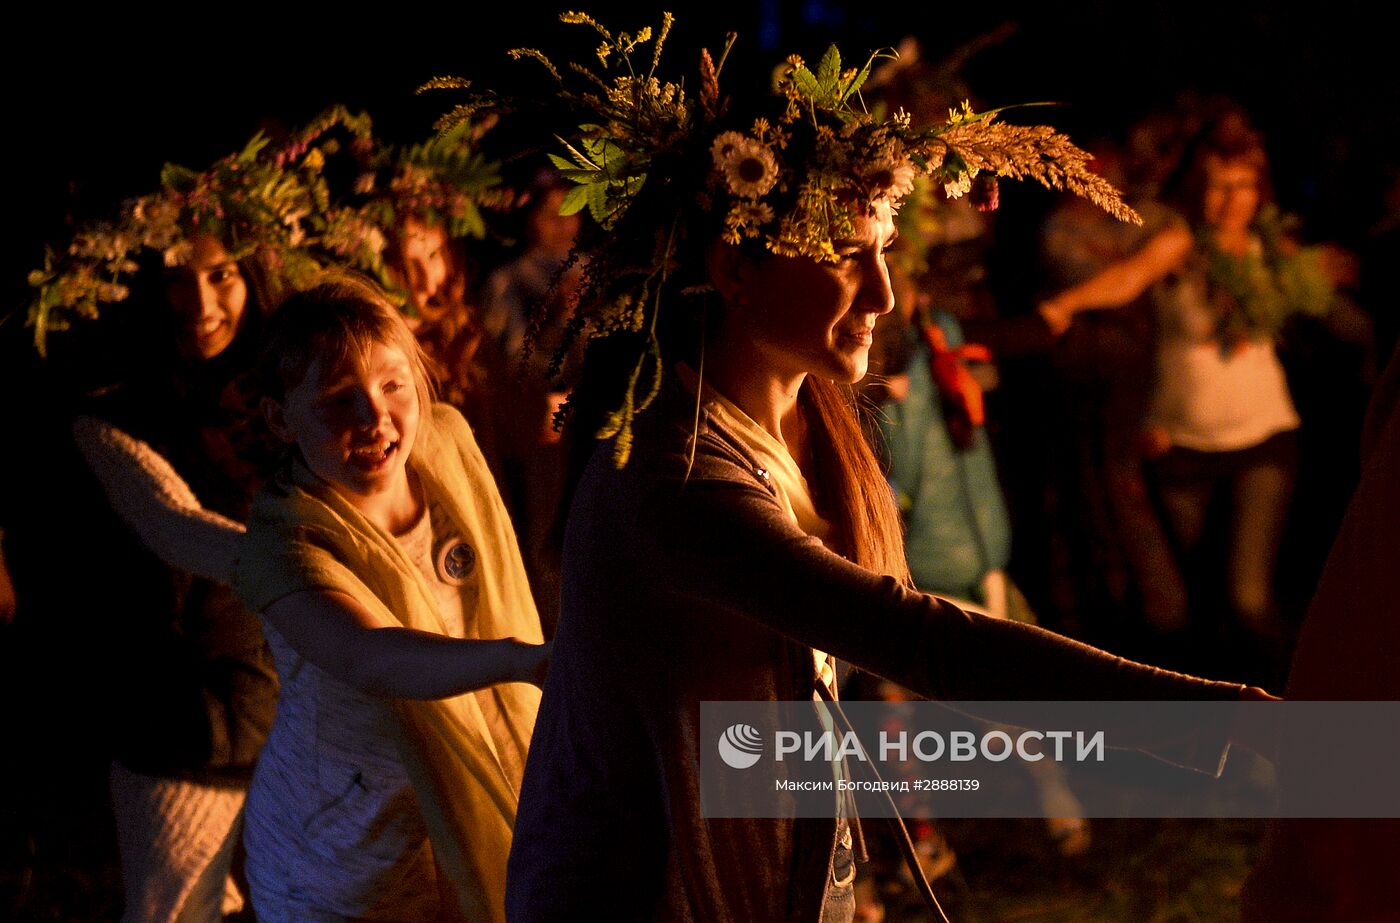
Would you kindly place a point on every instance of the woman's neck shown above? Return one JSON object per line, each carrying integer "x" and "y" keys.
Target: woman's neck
{"x": 737, "y": 369}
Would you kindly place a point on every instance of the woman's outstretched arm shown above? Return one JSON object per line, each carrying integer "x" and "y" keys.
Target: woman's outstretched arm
{"x": 740, "y": 551}
{"x": 1125, "y": 280}
{"x": 337, "y": 633}
{"x": 152, "y": 499}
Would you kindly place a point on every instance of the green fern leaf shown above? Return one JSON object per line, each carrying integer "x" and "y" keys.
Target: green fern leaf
{"x": 470, "y": 222}
{"x": 597, "y": 196}
{"x": 805, "y": 81}
{"x": 575, "y": 201}
{"x": 829, "y": 71}
{"x": 174, "y": 176}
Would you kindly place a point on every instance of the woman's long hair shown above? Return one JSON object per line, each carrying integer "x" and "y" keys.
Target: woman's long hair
{"x": 450, "y": 343}
{"x": 852, "y": 491}
{"x": 850, "y": 487}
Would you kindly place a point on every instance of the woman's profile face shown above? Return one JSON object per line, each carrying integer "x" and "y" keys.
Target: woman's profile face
{"x": 209, "y": 297}
{"x": 819, "y": 318}
{"x": 1231, "y": 196}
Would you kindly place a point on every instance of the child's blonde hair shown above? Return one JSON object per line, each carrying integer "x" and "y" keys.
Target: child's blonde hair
{"x": 343, "y": 316}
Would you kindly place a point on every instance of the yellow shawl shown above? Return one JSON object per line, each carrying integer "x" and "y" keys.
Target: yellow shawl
{"x": 305, "y": 536}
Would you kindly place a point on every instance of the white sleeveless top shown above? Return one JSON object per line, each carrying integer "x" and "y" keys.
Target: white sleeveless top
{"x": 1206, "y": 397}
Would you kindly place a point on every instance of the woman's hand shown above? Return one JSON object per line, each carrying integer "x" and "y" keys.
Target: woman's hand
{"x": 1256, "y": 694}
{"x": 534, "y": 661}
{"x": 1254, "y": 728}
{"x": 1057, "y": 314}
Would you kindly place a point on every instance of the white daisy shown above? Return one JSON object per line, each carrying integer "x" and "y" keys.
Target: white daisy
{"x": 749, "y": 167}
{"x": 894, "y": 178}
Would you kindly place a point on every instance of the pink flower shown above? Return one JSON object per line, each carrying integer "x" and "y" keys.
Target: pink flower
{"x": 986, "y": 192}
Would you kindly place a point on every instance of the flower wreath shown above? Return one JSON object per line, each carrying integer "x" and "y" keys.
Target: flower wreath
{"x": 661, "y": 169}
{"x": 277, "y": 203}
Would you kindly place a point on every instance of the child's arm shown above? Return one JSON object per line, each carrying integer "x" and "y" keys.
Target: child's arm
{"x": 155, "y": 501}
{"x": 338, "y": 634}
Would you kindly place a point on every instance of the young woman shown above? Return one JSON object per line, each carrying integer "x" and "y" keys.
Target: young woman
{"x": 337, "y": 830}
{"x": 197, "y": 689}
{"x": 397, "y": 608}
{"x": 432, "y": 268}
{"x": 749, "y": 538}
{"x": 1221, "y": 423}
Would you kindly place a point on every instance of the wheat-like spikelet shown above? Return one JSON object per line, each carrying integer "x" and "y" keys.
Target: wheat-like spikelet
{"x": 1035, "y": 152}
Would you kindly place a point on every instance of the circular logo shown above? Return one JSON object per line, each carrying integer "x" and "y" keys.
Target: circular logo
{"x": 740, "y": 746}
{"x": 455, "y": 562}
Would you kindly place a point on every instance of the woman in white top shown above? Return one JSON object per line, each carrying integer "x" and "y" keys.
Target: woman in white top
{"x": 1221, "y": 424}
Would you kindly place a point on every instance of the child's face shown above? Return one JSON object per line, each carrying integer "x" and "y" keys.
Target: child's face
{"x": 354, "y": 424}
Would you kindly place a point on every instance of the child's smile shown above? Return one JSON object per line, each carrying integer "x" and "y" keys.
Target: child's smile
{"x": 355, "y": 425}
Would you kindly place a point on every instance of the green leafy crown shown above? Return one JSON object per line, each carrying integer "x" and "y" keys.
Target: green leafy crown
{"x": 660, "y": 169}
{"x": 277, "y": 202}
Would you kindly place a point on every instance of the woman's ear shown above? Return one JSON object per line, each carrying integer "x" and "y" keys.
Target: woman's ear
{"x": 728, "y": 271}
{"x": 276, "y": 416}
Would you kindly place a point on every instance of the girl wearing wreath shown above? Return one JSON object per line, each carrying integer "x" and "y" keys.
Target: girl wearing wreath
{"x": 195, "y": 687}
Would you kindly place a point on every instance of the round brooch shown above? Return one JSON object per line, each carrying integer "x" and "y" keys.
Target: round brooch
{"x": 456, "y": 561}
